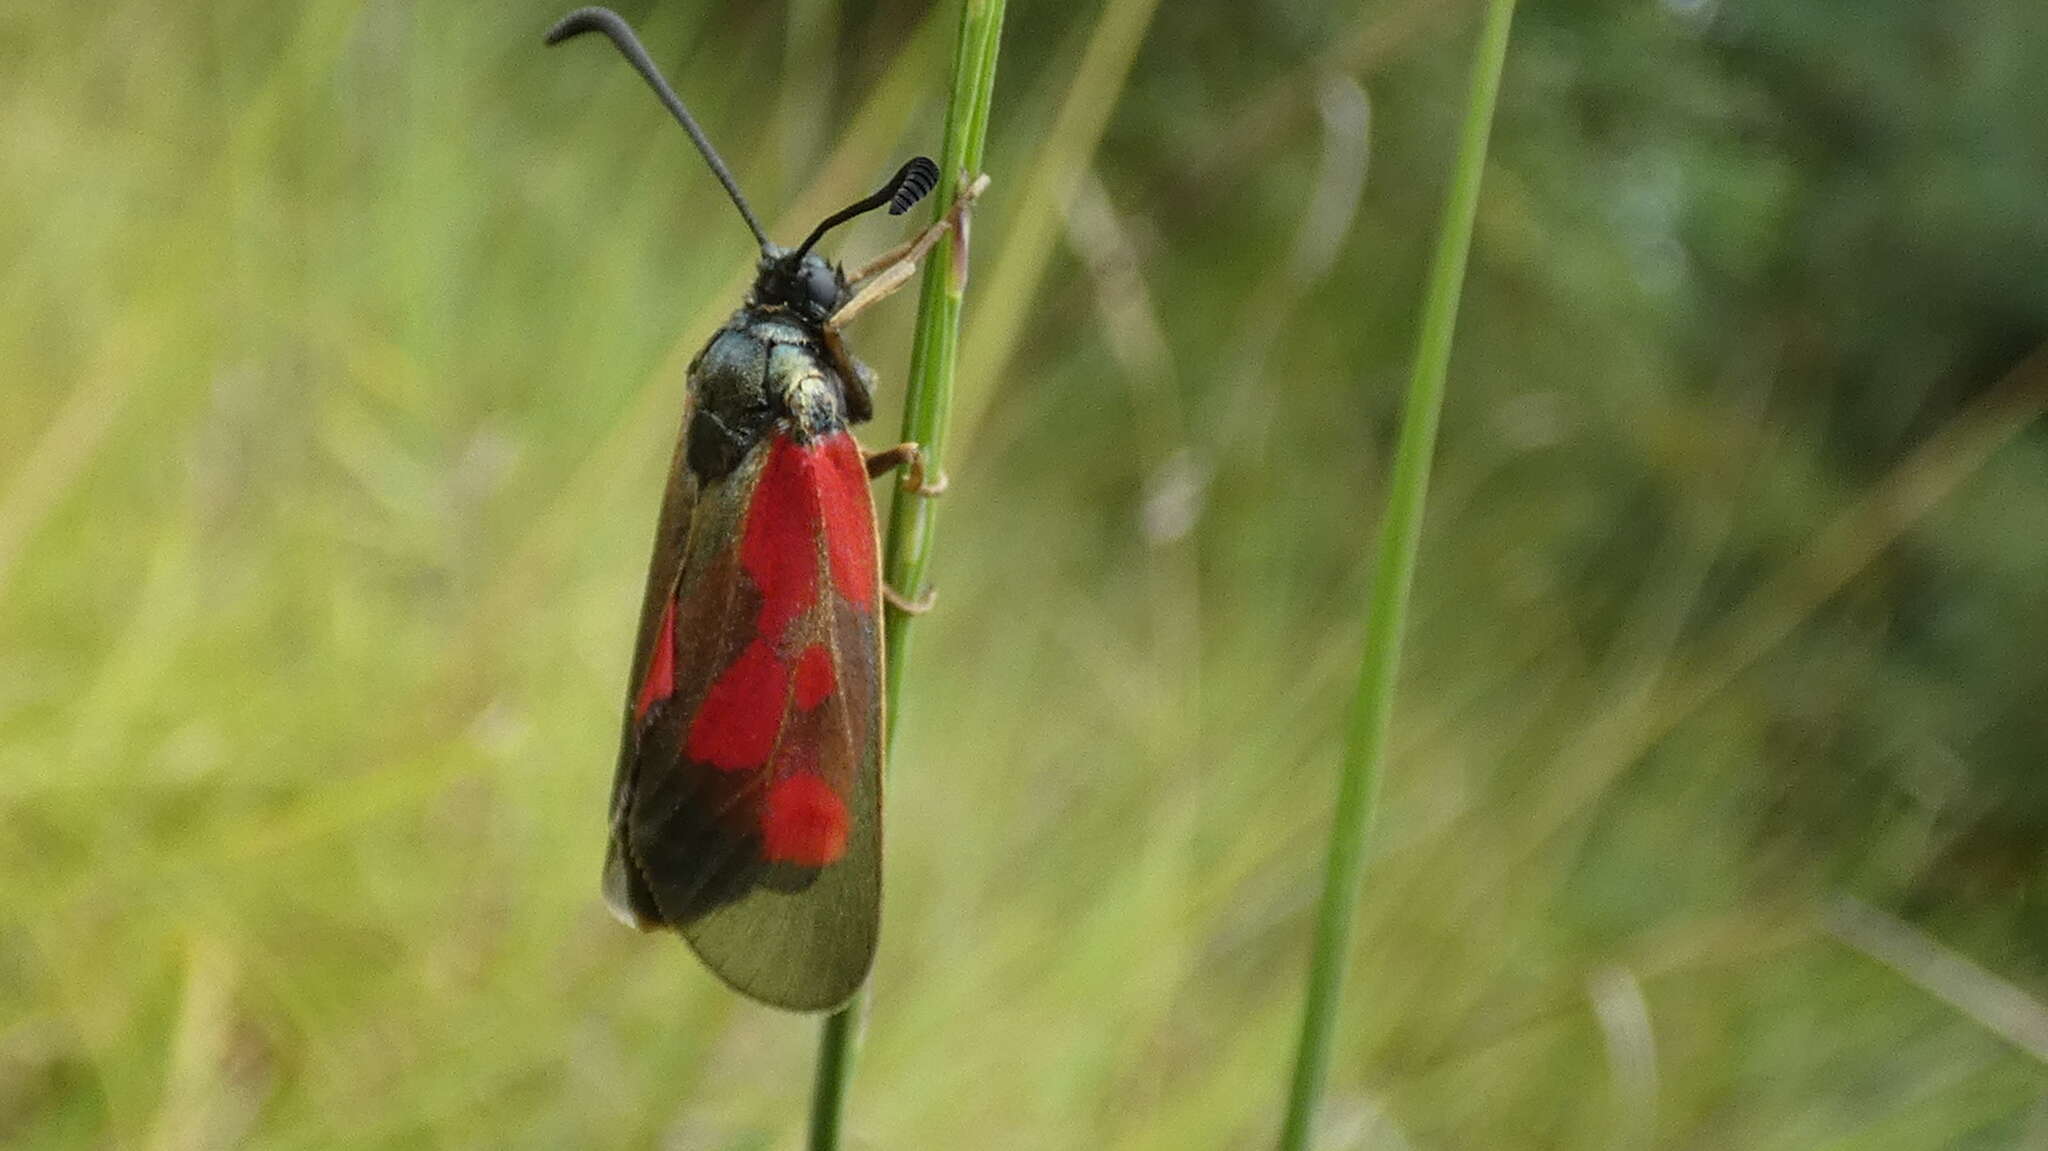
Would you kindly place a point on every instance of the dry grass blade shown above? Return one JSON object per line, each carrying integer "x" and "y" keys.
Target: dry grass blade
{"x": 1996, "y": 1004}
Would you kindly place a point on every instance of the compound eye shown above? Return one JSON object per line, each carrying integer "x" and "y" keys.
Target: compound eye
{"x": 821, "y": 286}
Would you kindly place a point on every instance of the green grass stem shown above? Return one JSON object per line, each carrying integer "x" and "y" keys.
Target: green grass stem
{"x": 1400, "y": 534}
{"x": 927, "y": 404}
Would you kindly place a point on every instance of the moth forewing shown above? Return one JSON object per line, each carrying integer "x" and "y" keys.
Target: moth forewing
{"x": 623, "y": 893}
{"x": 748, "y": 806}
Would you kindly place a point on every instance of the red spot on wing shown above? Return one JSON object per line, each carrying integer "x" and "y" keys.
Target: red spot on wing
{"x": 803, "y": 821}
{"x": 849, "y": 515}
{"x": 802, "y": 491}
{"x": 814, "y": 678}
{"x": 779, "y": 550}
{"x": 736, "y": 725}
{"x": 660, "y": 681}
{"x": 805, "y": 494}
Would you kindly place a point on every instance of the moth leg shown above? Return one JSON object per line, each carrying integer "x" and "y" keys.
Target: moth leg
{"x": 907, "y": 251}
{"x": 910, "y": 458}
{"x": 859, "y": 379}
{"x": 889, "y": 459}
{"x": 889, "y": 257}
{"x": 874, "y": 290}
{"x": 884, "y": 276}
{"x": 908, "y": 606}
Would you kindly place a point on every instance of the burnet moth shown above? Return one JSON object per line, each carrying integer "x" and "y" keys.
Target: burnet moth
{"x": 746, "y": 809}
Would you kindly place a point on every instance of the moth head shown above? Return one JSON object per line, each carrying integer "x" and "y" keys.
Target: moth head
{"x": 803, "y": 282}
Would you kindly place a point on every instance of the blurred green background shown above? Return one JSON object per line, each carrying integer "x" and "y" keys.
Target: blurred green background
{"x": 342, "y": 346}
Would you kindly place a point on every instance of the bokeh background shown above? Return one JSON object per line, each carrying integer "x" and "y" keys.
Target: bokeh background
{"x": 341, "y": 345}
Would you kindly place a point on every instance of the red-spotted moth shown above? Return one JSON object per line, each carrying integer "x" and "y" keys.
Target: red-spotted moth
{"x": 746, "y": 811}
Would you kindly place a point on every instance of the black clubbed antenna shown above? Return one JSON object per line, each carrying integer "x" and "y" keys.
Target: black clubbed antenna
{"x": 621, "y": 33}
{"x": 909, "y": 185}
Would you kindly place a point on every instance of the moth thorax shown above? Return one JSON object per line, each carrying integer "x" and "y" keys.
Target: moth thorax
{"x": 808, "y": 390}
